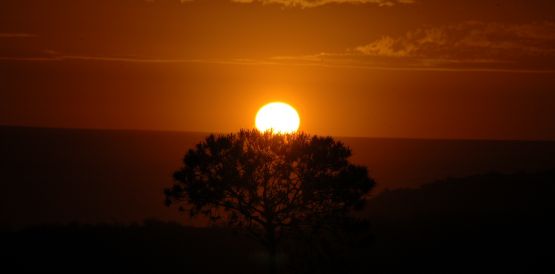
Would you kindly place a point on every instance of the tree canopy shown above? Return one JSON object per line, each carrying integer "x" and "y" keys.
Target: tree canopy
{"x": 270, "y": 184}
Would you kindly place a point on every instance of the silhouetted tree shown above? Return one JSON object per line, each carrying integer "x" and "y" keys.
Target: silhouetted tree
{"x": 270, "y": 185}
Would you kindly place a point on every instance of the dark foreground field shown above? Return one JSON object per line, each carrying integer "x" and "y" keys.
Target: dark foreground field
{"x": 490, "y": 223}
{"x": 76, "y": 200}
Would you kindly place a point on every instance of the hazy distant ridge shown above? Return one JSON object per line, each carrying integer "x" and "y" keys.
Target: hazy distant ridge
{"x": 63, "y": 175}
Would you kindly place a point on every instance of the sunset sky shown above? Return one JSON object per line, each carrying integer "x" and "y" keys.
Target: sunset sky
{"x": 373, "y": 68}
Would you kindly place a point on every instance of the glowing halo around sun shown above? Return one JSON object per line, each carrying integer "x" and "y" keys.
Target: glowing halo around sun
{"x": 278, "y": 117}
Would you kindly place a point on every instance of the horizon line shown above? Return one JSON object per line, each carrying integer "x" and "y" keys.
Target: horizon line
{"x": 222, "y": 133}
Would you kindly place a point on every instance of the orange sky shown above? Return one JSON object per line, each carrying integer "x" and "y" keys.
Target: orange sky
{"x": 423, "y": 68}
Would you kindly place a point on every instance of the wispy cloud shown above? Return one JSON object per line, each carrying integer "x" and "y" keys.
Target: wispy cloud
{"x": 52, "y": 56}
{"x": 469, "y": 45}
{"x": 303, "y": 61}
{"x": 182, "y": 1}
{"x": 468, "y": 40}
{"x": 318, "y": 3}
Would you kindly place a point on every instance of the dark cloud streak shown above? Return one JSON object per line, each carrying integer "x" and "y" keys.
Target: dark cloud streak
{"x": 17, "y": 35}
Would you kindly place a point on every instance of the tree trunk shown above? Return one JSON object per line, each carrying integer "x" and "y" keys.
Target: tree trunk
{"x": 272, "y": 260}
{"x": 272, "y": 249}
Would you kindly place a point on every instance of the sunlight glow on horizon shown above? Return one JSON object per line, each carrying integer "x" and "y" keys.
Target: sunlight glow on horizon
{"x": 279, "y": 117}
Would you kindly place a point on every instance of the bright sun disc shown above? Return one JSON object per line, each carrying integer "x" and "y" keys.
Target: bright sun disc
{"x": 281, "y": 118}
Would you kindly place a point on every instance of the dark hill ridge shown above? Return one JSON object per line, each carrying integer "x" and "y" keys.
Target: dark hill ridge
{"x": 89, "y": 176}
{"x": 492, "y": 223}
{"x": 479, "y": 197}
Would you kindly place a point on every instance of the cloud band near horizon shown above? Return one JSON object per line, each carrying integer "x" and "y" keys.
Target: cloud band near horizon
{"x": 318, "y": 3}
{"x": 313, "y": 3}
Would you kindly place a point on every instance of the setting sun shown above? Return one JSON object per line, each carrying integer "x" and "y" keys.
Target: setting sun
{"x": 279, "y": 117}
